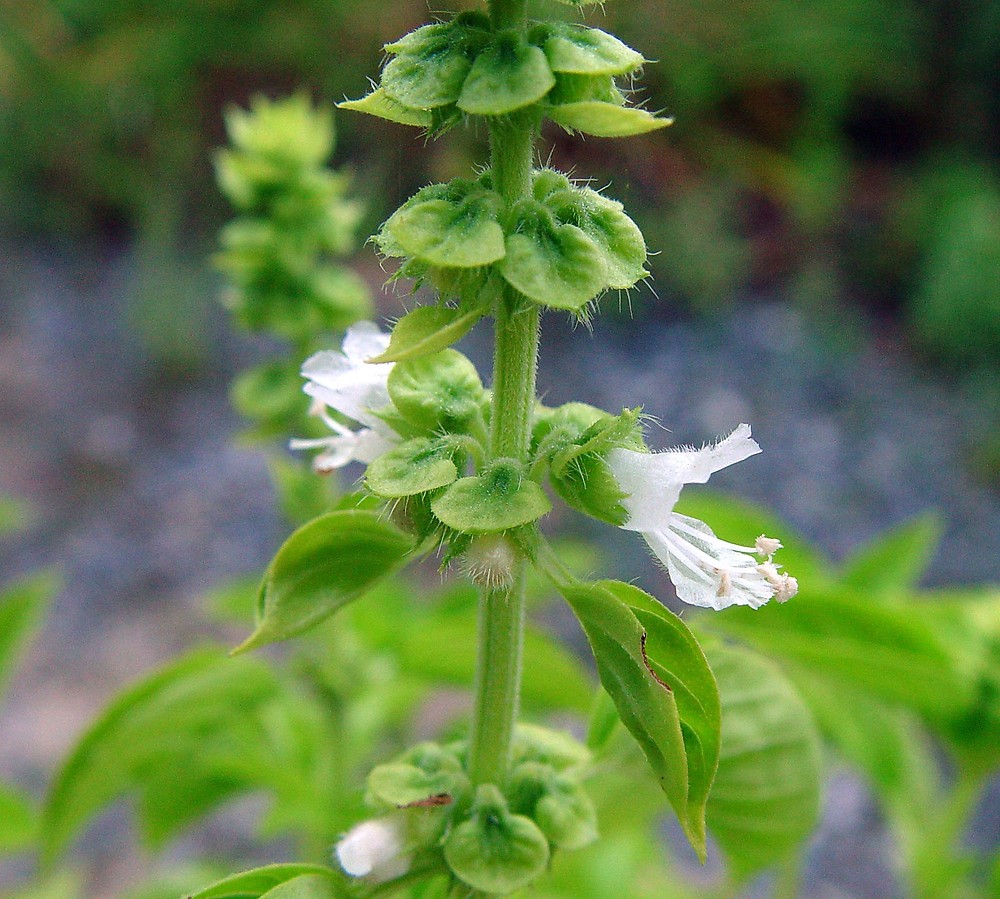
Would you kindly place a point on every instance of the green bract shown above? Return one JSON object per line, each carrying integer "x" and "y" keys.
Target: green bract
{"x": 413, "y": 467}
{"x": 440, "y": 72}
{"x": 428, "y": 329}
{"x": 496, "y": 851}
{"x": 438, "y": 392}
{"x": 497, "y": 500}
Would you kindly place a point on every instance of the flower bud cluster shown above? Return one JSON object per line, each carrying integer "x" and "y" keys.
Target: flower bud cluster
{"x": 442, "y": 73}
{"x": 491, "y": 839}
{"x": 293, "y": 219}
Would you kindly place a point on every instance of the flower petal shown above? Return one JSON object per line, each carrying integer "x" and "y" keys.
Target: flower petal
{"x": 654, "y": 480}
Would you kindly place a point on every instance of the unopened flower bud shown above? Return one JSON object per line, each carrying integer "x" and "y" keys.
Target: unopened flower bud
{"x": 490, "y": 561}
{"x": 375, "y": 849}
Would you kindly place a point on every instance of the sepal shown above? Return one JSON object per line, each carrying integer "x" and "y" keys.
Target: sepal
{"x": 416, "y": 466}
{"x": 437, "y": 392}
{"x": 584, "y": 51}
{"x": 508, "y": 75}
{"x": 497, "y": 500}
{"x": 429, "y": 329}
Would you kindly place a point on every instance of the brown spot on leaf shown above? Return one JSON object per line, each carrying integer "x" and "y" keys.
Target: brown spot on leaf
{"x": 649, "y": 668}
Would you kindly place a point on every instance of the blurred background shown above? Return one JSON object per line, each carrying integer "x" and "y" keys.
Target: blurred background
{"x": 825, "y": 215}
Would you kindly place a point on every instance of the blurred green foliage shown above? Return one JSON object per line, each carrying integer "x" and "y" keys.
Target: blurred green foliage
{"x": 852, "y": 140}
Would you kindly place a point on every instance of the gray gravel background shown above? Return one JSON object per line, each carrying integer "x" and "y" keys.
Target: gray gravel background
{"x": 143, "y": 499}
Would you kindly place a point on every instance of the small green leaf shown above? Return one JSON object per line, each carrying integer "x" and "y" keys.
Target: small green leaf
{"x": 451, "y": 225}
{"x": 895, "y": 561}
{"x": 324, "y": 565}
{"x": 397, "y": 784}
{"x": 606, "y": 433}
{"x": 428, "y": 329}
{"x": 378, "y": 103}
{"x": 566, "y": 815}
{"x": 494, "y": 851}
{"x": 766, "y": 795}
{"x": 258, "y": 882}
{"x": 587, "y": 485}
{"x": 646, "y": 705}
{"x": 22, "y": 605}
{"x": 18, "y": 821}
{"x": 413, "y": 467}
{"x": 552, "y": 264}
{"x": 674, "y": 655}
{"x": 497, "y": 500}
{"x": 586, "y": 51}
{"x": 439, "y": 392}
{"x": 605, "y": 119}
{"x": 509, "y": 74}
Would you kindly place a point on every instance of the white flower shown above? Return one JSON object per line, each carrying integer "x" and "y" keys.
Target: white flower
{"x": 705, "y": 570}
{"x": 375, "y": 849}
{"x": 346, "y": 383}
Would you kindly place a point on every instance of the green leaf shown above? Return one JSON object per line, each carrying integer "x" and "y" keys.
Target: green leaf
{"x": 497, "y": 500}
{"x": 258, "y": 882}
{"x": 509, "y": 74}
{"x": 18, "y": 821}
{"x": 895, "y": 561}
{"x": 378, "y": 103}
{"x": 550, "y": 263}
{"x": 22, "y": 605}
{"x": 588, "y": 486}
{"x": 397, "y": 784}
{"x": 413, "y": 467}
{"x": 451, "y": 225}
{"x": 646, "y": 705}
{"x": 428, "y": 329}
{"x": 167, "y": 725}
{"x": 885, "y": 649}
{"x": 605, "y": 119}
{"x": 321, "y": 567}
{"x": 766, "y": 795}
{"x": 585, "y": 51}
{"x": 440, "y": 392}
{"x": 494, "y": 851}
{"x": 305, "y": 886}
{"x": 673, "y": 654}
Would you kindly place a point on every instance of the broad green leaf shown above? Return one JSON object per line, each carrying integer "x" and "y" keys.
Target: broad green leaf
{"x": 378, "y": 103}
{"x": 585, "y": 51}
{"x": 321, "y": 567}
{"x": 305, "y": 886}
{"x": 888, "y": 746}
{"x": 894, "y": 561}
{"x": 509, "y": 74}
{"x": 497, "y": 500}
{"x": 18, "y": 820}
{"x": 646, "y": 705}
{"x": 167, "y": 724}
{"x": 451, "y": 225}
{"x": 256, "y": 883}
{"x": 673, "y": 654}
{"x": 886, "y": 649}
{"x": 605, "y": 119}
{"x": 765, "y": 800}
{"x": 413, "y": 467}
{"x": 550, "y": 263}
{"x": 22, "y": 605}
{"x": 428, "y": 329}
{"x": 436, "y": 393}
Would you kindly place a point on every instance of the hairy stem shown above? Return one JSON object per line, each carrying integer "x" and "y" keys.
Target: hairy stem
{"x": 501, "y": 612}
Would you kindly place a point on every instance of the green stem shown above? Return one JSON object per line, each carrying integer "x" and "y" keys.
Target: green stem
{"x": 501, "y": 612}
